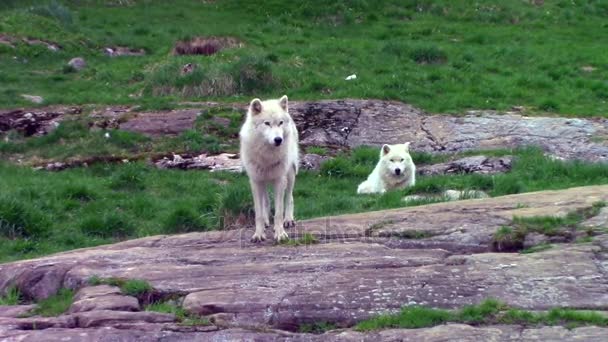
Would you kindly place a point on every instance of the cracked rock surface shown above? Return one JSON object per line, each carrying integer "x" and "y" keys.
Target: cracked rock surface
{"x": 350, "y": 123}
{"x": 363, "y": 265}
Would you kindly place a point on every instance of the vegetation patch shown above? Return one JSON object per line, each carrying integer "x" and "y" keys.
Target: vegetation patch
{"x": 183, "y": 317}
{"x": 316, "y": 327}
{"x": 11, "y": 296}
{"x": 487, "y": 312}
{"x": 511, "y": 238}
{"x": 55, "y": 305}
{"x": 131, "y": 287}
{"x": 305, "y": 240}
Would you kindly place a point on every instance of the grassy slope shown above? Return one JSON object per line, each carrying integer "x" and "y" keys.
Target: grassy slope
{"x": 47, "y": 212}
{"x": 487, "y": 54}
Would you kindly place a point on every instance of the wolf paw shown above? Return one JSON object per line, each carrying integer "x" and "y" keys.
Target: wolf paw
{"x": 289, "y": 224}
{"x": 280, "y": 235}
{"x": 258, "y": 237}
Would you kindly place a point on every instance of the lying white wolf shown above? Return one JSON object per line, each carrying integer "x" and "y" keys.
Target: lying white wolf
{"x": 269, "y": 153}
{"x": 395, "y": 170}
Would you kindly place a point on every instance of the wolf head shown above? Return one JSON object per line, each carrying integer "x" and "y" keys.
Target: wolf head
{"x": 396, "y": 159}
{"x": 271, "y": 119}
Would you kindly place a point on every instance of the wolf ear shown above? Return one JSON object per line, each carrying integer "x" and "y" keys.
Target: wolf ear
{"x": 407, "y": 146}
{"x": 255, "y": 107}
{"x": 283, "y": 102}
{"x": 385, "y": 149}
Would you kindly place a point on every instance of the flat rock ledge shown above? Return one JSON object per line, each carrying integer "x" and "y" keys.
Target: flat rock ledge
{"x": 449, "y": 332}
{"x": 364, "y": 264}
{"x": 350, "y": 123}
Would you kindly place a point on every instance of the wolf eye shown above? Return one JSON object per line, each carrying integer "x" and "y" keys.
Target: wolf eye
{"x": 267, "y": 123}
{"x": 280, "y": 123}
{"x": 401, "y": 160}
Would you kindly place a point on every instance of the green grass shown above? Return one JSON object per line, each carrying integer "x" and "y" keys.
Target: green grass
{"x": 56, "y": 304}
{"x": 487, "y": 55}
{"x": 490, "y": 311}
{"x": 183, "y": 317}
{"x": 43, "y": 212}
{"x": 305, "y": 240}
{"x": 12, "y": 296}
{"x": 131, "y": 287}
{"x": 316, "y": 327}
{"x": 558, "y": 316}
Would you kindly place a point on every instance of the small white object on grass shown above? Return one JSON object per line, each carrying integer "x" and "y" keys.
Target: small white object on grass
{"x": 351, "y": 77}
{"x": 107, "y": 135}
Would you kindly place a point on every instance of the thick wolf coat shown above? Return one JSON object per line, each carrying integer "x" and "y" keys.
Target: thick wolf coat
{"x": 395, "y": 170}
{"x": 269, "y": 153}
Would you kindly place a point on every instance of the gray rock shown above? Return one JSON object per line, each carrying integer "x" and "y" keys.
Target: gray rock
{"x": 455, "y": 195}
{"x": 103, "y": 318}
{"x": 221, "y": 162}
{"x": 475, "y": 164}
{"x": 535, "y": 239}
{"x": 447, "y": 332}
{"x": 15, "y": 310}
{"x": 107, "y": 302}
{"x": 37, "y": 121}
{"x": 351, "y": 123}
{"x": 598, "y": 221}
{"x": 311, "y": 161}
{"x": 116, "y": 51}
{"x": 364, "y": 264}
{"x": 78, "y": 63}
{"x": 96, "y": 291}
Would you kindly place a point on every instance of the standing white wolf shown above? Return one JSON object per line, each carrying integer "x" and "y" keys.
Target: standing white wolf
{"x": 395, "y": 170}
{"x": 269, "y": 152}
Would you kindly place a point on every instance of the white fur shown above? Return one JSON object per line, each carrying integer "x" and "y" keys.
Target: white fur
{"x": 384, "y": 177}
{"x": 268, "y": 164}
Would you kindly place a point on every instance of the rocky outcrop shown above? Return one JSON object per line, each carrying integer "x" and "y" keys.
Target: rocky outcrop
{"x": 351, "y": 123}
{"x": 364, "y": 264}
{"x": 77, "y": 63}
{"x": 223, "y": 162}
{"x": 37, "y": 121}
{"x": 449, "y": 332}
{"x": 474, "y": 164}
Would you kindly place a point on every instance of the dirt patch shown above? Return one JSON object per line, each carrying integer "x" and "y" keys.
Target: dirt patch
{"x": 205, "y": 45}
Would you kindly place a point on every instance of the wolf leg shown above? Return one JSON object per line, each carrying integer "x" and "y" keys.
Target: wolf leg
{"x": 291, "y": 180}
{"x": 266, "y": 207}
{"x": 257, "y": 190}
{"x": 279, "y": 207}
